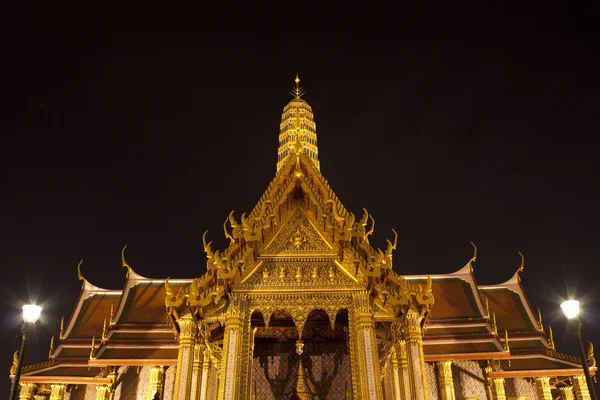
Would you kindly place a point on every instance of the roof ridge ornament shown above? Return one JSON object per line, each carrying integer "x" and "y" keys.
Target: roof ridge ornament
{"x": 551, "y": 338}
{"x": 79, "y": 274}
{"x": 474, "y": 257}
{"x": 521, "y": 267}
{"x": 124, "y": 262}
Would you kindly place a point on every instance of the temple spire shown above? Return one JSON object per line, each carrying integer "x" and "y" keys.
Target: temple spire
{"x": 297, "y": 125}
{"x": 297, "y": 92}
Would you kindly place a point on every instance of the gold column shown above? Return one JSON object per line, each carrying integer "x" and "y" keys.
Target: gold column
{"x": 444, "y": 372}
{"x": 204, "y": 381}
{"x": 187, "y": 337}
{"x": 498, "y": 389}
{"x": 395, "y": 375}
{"x": 416, "y": 359}
{"x": 362, "y": 338}
{"x": 57, "y": 391}
{"x": 102, "y": 392}
{"x": 580, "y": 386}
{"x": 405, "y": 385}
{"x": 233, "y": 357}
{"x": 156, "y": 382}
{"x": 543, "y": 387}
{"x": 197, "y": 369}
{"x": 566, "y": 392}
{"x": 27, "y": 390}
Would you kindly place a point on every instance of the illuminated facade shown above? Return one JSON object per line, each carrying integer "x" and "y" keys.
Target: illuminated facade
{"x": 301, "y": 305}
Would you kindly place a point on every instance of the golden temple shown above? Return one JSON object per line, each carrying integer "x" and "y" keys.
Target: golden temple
{"x": 300, "y": 305}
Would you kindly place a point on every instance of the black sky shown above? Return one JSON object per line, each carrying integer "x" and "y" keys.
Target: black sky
{"x": 146, "y": 127}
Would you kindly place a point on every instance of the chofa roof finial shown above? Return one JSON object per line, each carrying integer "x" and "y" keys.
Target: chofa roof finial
{"x": 124, "y": 262}
{"x": 79, "y": 275}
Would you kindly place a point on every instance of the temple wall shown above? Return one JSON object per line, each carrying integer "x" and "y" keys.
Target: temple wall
{"x": 387, "y": 389}
{"x": 169, "y": 386}
{"x": 83, "y": 392}
{"x": 520, "y": 387}
{"x": 326, "y": 365}
{"x": 468, "y": 380}
{"x": 134, "y": 383}
{"x": 432, "y": 381}
{"x": 213, "y": 383}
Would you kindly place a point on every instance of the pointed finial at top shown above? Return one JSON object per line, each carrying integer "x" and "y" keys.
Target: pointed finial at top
{"x": 124, "y": 262}
{"x": 474, "y": 258}
{"x": 79, "y": 275}
{"x": 297, "y": 92}
{"x": 522, "y": 266}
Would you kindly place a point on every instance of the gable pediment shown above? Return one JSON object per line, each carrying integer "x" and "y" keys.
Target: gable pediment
{"x": 298, "y": 237}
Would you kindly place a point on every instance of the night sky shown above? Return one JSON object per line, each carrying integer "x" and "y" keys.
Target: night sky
{"x": 146, "y": 127}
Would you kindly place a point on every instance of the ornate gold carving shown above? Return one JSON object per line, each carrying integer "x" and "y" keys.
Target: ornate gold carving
{"x": 551, "y": 338}
{"x": 543, "y": 387}
{"x": 297, "y": 236}
{"x": 79, "y": 275}
{"x": 580, "y": 387}
{"x": 446, "y": 384}
{"x": 124, "y": 262}
{"x": 51, "y": 350}
{"x": 92, "y": 348}
{"x": 15, "y": 362}
{"x": 57, "y": 391}
{"x": 590, "y": 356}
{"x": 566, "y": 392}
{"x": 540, "y": 322}
{"x": 27, "y": 391}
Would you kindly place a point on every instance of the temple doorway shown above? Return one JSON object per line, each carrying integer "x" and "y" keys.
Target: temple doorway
{"x": 324, "y": 355}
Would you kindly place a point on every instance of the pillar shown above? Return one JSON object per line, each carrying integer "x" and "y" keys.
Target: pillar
{"x": 498, "y": 389}
{"x": 102, "y": 392}
{"x": 204, "y": 379}
{"x": 395, "y": 376}
{"x": 156, "y": 382}
{"x": 185, "y": 357}
{"x": 566, "y": 392}
{"x": 234, "y": 363}
{"x": 27, "y": 390}
{"x": 580, "y": 387}
{"x": 363, "y": 345}
{"x": 404, "y": 371}
{"x": 57, "y": 391}
{"x": 445, "y": 381}
{"x": 543, "y": 387}
{"x": 416, "y": 359}
{"x": 197, "y": 370}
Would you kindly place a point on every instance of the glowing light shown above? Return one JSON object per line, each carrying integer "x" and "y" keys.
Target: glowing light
{"x": 570, "y": 308}
{"x": 31, "y": 313}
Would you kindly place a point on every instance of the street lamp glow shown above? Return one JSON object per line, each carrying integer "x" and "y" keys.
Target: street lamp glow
{"x": 31, "y": 313}
{"x": 570, "y": 308}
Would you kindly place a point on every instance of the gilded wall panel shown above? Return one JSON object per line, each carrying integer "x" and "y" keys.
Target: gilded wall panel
{"x": 468, "y": 379}
{"x": 213, "y": 381}
{"x": 432, "y": 381}
{"x": 169, "y": 383}
{"x": 388, "y": 389}
{"x": 129, "y": 384}
{"x": 520, "y": 387}
{"x": 143, "y": 384}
